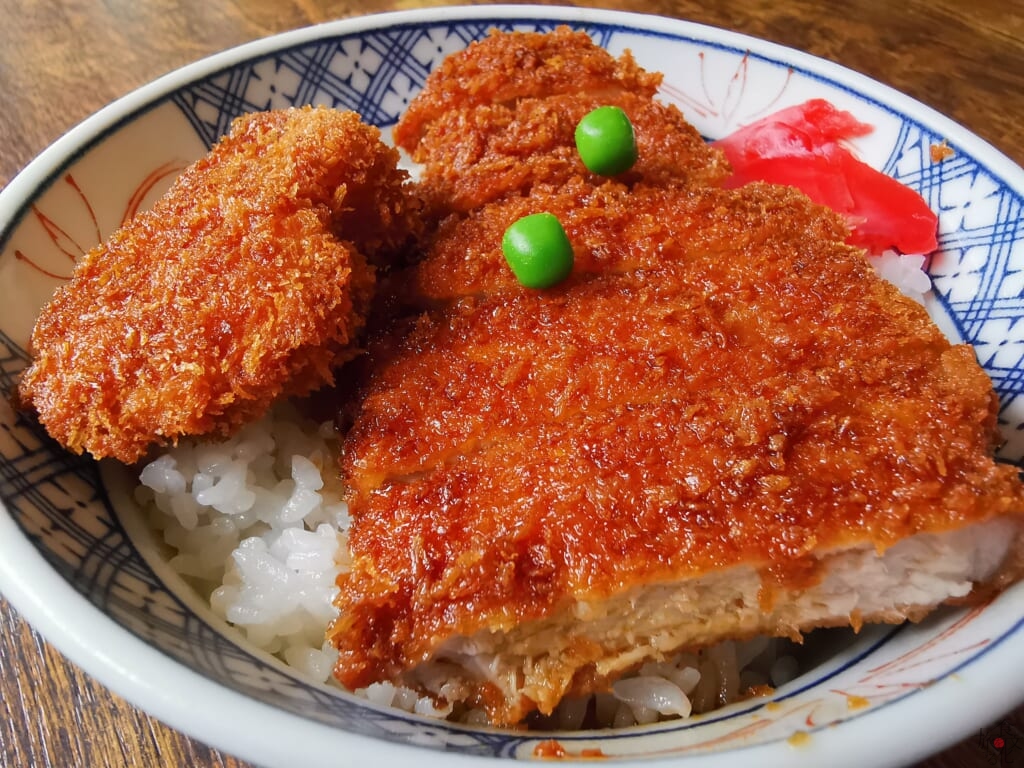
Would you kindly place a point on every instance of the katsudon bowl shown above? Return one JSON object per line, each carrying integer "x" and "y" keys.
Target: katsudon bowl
{"x": 78, "y": 561}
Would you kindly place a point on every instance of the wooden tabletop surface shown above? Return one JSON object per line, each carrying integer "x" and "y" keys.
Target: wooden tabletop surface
{"x": 61, "y": 60}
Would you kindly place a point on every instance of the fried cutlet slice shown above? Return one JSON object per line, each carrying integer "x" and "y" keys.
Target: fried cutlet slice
{"x": 485, "y": 153}
{"x": 507, "y": 66}
{"x": 483, "y": 133}
{"x": 612, "y": 228}
{"x": 249, "y": 279}
{"x": 548, "y": 488}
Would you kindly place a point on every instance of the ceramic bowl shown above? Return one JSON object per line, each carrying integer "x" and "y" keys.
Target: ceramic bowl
{"x": 72, "y": 559}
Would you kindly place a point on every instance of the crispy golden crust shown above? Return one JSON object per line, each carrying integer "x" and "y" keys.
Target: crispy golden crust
{"x": 500, "y": 117}
{"x": 757, "y": 404}
{"x": 506, "y": 67}
{"x": 612, "y": 228}
{"x": 484, "y": 153}
{"x": 248, "y": 280}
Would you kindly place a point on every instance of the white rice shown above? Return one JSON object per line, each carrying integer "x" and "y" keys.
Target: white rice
{"x": 258, "y": 526}
{"x": 905, "y": 271}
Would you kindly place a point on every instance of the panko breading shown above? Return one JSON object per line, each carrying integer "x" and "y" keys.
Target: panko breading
{"x": 722, "y": 424}
{"x": 248, "y": 280}
{"x": 484, "y": 153}
{"x": 532, "y": 471}
{"x": 505, "y": 68}
{"x": 483, "y": 132}
{"x": 612, "y": 229}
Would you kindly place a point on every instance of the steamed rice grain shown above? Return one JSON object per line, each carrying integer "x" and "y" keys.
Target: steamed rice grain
{"x": 254, "y": 527}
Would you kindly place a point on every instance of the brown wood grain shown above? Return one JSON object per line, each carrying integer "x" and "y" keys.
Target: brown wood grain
{"x": 61, "y": 60}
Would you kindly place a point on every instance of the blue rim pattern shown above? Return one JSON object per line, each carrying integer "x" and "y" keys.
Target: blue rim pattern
{"x": 51, "y": 494}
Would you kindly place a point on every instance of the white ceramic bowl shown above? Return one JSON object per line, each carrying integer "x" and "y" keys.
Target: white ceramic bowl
{"x": 70, "y": 564}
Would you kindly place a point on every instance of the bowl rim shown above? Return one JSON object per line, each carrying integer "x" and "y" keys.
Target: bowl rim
{"x": 227, "y": 720}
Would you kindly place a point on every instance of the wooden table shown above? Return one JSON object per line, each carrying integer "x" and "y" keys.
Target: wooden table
{"x": 60, "y": 60}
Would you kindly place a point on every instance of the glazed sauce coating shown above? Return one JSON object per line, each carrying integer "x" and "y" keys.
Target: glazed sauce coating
{"x": 487, "y": 153}
{"x": 500, "y": 117}
{"x": 753, "y": 406}
{"x": 720, "y": 386}
{"x": 506, "y": 68}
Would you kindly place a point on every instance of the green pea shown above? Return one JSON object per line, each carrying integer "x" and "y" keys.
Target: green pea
{"x": 537, "y": 250}
{"x": 605, "y": 141}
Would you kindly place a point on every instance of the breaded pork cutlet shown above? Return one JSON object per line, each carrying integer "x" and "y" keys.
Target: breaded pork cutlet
{"x": 248, "y": 280}
{"x": 500, "y": 117}
{"x": 612, "y": 229}
{"x": 549, "y": 488}
{"x": 723, "y": 424}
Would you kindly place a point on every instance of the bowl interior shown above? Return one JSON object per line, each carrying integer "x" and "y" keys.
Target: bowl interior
{"x": 81, "y": 517}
